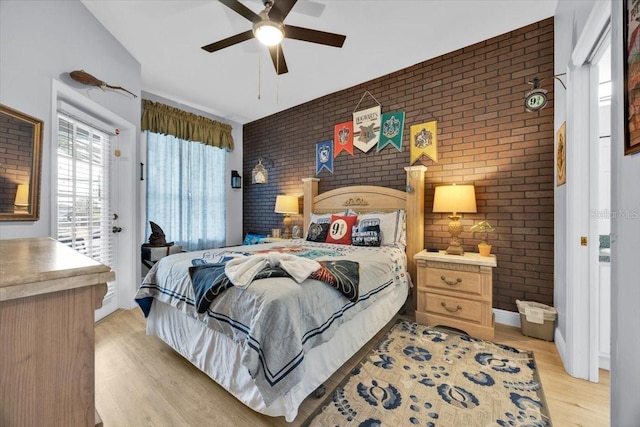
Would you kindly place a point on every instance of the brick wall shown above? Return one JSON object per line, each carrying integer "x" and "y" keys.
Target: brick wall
{"x": 485, "y": 137}
{"x": 16, "y": 143}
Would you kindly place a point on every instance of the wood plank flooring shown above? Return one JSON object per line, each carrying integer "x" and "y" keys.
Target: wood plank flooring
{"x": 140, "y": 381}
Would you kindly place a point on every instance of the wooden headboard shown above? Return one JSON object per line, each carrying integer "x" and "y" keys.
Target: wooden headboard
{"x": 368, "y": 198}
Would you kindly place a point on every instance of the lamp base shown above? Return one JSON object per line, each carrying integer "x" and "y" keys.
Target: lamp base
{"x": 287, "y": 226}
{"x": 454, "y": 249}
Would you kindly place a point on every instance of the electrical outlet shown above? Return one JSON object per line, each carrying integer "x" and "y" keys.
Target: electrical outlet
{"x": 583, "y": 240}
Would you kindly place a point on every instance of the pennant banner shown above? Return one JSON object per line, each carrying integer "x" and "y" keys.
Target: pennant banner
{"x": 424, "y": 141}
{"x": 324, "y": 156}
{"x": 391, "y": 132}
{"x": 343, "y": 138}
{"x": 366, "y": 128}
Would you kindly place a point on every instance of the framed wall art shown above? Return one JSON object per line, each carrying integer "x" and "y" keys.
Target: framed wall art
{"x": 631, "y": 53}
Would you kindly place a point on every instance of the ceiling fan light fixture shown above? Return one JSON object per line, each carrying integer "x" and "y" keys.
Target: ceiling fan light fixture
{"x": 268, "y": 32}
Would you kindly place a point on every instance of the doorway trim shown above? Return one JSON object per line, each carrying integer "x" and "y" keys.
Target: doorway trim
{"x": 581, "y": 353}
{"x": 126, "y": 279}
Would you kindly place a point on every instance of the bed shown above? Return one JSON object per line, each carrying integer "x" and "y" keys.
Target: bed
{"x": 299, "y": 332}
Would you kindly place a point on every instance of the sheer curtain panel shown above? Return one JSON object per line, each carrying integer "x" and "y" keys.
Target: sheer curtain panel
{"x": 186, "y": 191}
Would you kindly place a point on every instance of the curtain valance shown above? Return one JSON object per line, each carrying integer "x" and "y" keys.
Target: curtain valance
{"x": 166, "y": 120}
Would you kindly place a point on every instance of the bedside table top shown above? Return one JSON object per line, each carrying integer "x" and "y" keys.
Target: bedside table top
{"x": 468, "y": 258}
{"x": 275, "y": 239}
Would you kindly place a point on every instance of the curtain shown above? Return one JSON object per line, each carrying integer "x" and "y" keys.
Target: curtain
{"x": 162, "y": 119}
{"x": 186, "y": 191}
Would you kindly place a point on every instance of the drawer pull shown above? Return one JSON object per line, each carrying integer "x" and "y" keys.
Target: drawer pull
{"x": 451, "y": 310}
{"x": 450, "y": 282}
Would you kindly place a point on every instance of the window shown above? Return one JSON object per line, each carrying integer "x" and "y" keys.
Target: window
{"x": 186, "y": 191}
{"x": 83, "y": 194}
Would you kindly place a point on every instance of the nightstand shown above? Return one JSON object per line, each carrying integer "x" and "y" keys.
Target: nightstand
{"x": 456, "y": 291}
{"x": 149, "y": 255}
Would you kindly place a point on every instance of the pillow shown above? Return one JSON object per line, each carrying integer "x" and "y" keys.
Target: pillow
{"x": 366, "y": 235}
{"x": 392, "y": 226}
{"x": 318, "y": 232}
{"x": 323, "y": 218}
{"x": 340, "y": 229}
{"x": 253, "y": 239}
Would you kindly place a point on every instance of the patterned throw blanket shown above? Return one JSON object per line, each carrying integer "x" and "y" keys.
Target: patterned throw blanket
{"x": 275, "y": 320}
{"x": 210, "y": 280}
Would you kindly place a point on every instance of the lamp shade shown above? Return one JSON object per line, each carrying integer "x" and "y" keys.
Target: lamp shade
{"x": 455, "y": 198}
{"x": 286, "y": 205}
{"x": 22, "y": 195}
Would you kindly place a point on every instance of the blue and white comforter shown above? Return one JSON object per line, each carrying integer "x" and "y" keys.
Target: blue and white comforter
{"x": 277, "y": 320}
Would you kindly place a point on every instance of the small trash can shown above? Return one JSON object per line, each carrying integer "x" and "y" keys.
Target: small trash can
{"x": 537, "y": 320}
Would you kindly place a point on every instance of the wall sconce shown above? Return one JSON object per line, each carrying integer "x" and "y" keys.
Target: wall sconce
{"x": 259, "y": 174}
{"x": 455, "y": 199}
{"x": 236, "y": 180}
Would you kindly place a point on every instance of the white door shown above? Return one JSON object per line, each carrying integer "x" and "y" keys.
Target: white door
{"x": 87, "y": 173}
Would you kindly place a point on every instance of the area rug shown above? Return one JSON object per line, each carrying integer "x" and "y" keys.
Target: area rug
{"x": 424, "y": 376}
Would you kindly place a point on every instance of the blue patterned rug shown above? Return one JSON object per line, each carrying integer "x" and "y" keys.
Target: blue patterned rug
{"x": 424, "y": 376}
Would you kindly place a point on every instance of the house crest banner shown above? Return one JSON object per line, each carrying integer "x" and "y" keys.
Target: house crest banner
{"x": 324, "y": 156}
{"x": 343, "y": 138}
{"x": 366, "y": 128}
{"x": 391, "y": 131}
{"x": 424, "y": 141}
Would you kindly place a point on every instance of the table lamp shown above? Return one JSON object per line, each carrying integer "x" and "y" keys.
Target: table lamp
{"x": 287, "y": 205}
{"x": 22, "y": 199}
{"x": 456, "y": 199}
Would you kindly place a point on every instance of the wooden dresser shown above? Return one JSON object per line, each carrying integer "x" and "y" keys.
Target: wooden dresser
{"x": 48, "y": 294}
{"x": 456, "y": 291}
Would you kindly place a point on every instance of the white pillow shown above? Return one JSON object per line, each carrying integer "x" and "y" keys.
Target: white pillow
{"x": 393, "y": 226}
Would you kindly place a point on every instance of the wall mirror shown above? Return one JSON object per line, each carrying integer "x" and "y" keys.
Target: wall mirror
{"x": 20, "y": 157}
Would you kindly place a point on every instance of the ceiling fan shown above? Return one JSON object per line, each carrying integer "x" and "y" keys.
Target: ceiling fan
{"x": 269, "y": 29}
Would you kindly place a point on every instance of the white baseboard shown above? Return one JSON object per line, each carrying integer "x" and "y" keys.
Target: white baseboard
{"x": 505, "y": 317}
{"x": 605, "y": 361}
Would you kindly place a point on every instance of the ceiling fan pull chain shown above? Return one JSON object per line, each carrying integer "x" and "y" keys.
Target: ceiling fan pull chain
{"x": 259, "y": 71}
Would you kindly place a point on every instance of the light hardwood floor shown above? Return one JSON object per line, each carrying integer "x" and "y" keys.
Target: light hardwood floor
{"x": 140, "y": 381}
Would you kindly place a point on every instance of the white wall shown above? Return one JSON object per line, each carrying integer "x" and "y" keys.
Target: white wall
{"x": 44, "y": 40}
{"x": 625, "y": 246}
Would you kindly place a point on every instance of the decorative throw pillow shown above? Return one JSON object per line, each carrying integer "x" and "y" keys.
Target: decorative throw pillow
{"x": 318, "y": 232}
{"x": 366, "y": 235}
{"x": 340, "y": 229}
{"x": 253, "y": 239}
{"x": 392, "y": 226}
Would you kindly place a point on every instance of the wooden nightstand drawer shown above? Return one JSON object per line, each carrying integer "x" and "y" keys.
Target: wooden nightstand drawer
{"x": 459, "y": 308}
{"x": 451, "y": 280}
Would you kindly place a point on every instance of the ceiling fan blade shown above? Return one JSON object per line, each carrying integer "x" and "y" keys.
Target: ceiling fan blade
{"x": 314, "y": 36}
{"x": 230, "y": 41}
{"x": 281, "y": 9}
{"x": 277, "y": 56}
{"x": 241, "y": 9}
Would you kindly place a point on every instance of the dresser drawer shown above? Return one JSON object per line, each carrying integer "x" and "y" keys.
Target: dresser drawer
{"x": 454, "y": 307}
{"x": 452, "y": 280}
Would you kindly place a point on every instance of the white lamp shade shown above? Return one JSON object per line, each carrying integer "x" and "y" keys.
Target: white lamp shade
{"x": 455, "y": 198}
{"x": 22, "y": 195}
{"x": 286, "y": 205}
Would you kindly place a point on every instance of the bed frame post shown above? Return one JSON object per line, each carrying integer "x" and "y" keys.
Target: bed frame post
{"x": 310, "y": 192}
{"x": 415, "y": 223}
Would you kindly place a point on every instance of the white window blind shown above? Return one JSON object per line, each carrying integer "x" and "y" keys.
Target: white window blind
{"x": 84, "y": 210}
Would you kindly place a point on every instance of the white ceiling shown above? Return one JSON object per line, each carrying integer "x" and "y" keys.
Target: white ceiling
{"x": 382, "y": 36}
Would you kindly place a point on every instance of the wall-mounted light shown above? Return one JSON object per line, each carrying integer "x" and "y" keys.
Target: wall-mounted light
{"x": 236, "y": 180}
{"x": 259, "y": 174}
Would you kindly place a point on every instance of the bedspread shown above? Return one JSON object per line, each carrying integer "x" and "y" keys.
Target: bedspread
{"x": 275, "y": 320}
